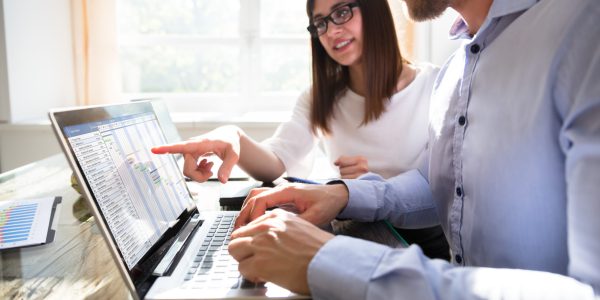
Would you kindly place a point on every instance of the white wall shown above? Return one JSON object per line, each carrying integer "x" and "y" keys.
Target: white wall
{"x": 39, "y": 55}
{"x": 22, "y": 144}
{"x": 36, "y": 74}
{"x": 431, "y": 39}
{"x": 4, "y": 104}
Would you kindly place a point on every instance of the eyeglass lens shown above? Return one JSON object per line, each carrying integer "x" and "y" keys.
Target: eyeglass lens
{"x": 338, "y": 17}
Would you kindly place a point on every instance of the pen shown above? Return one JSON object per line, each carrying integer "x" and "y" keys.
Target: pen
{"x": 299, "y": 180}
{"x": 396, "y": 234}
{"x": 230, "y": 179}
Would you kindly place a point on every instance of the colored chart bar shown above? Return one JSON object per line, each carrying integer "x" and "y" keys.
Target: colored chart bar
{"x": 16, "y": 222}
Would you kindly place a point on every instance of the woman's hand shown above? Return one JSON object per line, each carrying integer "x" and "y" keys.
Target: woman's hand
{"x": 352, "y": 166}
{"x": 223, "y": 142}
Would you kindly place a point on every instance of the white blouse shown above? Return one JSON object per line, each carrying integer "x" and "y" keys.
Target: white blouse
{"x": 392, "y": 144}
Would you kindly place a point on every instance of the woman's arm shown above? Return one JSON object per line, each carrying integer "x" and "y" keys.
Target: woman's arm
{"x": 232, "y": 146}
{"x": 257, "y": 160}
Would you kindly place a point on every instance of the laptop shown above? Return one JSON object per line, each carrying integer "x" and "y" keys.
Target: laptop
{"x": 162, "y": 245}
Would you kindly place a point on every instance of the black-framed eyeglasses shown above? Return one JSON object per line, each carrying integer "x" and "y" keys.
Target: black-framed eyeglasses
{"x": 338, "y": 16}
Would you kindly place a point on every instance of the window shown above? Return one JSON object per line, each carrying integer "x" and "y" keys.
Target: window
{"x": 206, "y": 55}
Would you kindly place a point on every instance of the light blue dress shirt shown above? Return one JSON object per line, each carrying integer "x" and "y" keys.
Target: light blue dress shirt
{"x": 513, "y": 175}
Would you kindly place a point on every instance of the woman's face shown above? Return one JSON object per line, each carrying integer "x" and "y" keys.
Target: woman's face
{"x": 342, "y": 42}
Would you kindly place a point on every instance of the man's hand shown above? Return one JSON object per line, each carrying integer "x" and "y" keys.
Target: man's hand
{"x": 318, "y": 204}
{"x": 223, "y": 142}
{"x": 277, "y": 247}
{"x": 352, "y": 166}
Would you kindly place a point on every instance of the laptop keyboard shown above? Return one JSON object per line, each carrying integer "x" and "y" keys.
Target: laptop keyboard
{"x": 213, "y": 267}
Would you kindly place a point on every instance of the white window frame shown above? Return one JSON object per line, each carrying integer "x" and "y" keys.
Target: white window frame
{"x": 250, "y": 98}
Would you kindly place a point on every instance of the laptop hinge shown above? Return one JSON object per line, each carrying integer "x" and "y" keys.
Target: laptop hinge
{"x": 167, "y": 264}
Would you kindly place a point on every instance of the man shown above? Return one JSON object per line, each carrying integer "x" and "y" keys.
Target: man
{"x": 514, "y": 174}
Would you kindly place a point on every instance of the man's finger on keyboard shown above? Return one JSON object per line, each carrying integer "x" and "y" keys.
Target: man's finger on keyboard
{"x": 272, "y": 198}
{"x": 256, "y": 205}
{"x": 257, "y": 226}
{"x": 243, "y": 217}
{"x": 252, "y": 193}
{"x": 240, "y": 248}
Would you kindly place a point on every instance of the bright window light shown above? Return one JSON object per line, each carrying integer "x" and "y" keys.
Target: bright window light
{"x": 206, "y": 55}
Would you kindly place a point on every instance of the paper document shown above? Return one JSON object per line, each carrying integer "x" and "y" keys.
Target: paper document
{"x": 26, "y": 222}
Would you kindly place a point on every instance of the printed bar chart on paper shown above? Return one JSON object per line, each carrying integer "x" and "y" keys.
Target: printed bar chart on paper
{"x": 26, "y": 222}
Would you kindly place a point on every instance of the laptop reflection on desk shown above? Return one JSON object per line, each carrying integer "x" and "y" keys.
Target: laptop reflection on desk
{"x": 162, "y": 245}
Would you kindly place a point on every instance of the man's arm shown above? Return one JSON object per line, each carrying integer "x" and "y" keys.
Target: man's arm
{"x": 348, "y": 268}
{"x": 404, "y": 200}
{"x": 577, "y": 96}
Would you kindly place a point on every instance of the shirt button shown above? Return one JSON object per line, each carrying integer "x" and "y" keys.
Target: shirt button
{"x": 459, "y": 192}
{"x": 475, "y": 48}
{"x": 462, "y": 120}
{"x": 458, "y": 258}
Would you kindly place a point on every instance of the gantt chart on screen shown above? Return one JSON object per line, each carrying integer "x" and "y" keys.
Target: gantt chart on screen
{"x": 139, "y": 193}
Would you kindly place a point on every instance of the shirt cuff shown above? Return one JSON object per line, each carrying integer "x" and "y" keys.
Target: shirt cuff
{"x": 347, "y": 276}
{"x": 362, "y": 201}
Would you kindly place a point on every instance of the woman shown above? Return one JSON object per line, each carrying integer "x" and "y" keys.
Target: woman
{"x": 367, "y": 105}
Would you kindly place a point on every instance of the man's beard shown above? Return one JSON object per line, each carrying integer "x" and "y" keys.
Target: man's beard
{"x": 423, "y": 10}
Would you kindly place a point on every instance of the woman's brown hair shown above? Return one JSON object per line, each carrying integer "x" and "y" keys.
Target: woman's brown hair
{"x": 381, "y": 61}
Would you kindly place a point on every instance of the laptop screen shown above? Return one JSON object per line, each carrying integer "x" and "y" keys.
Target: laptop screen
{"x": 140, "y": 195}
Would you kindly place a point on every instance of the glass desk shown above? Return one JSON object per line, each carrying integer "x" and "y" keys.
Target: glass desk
{"x": 77, "y": 264}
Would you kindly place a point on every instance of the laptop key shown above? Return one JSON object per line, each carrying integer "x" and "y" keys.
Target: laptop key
{"x": 236, "y": 284}
{"x": 213, "y": 266}
{"x": 247, "y": 284}
{"x": 201, "y": 277}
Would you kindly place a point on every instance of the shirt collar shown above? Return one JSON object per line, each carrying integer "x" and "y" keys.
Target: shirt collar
{"x": 499, "y": 8}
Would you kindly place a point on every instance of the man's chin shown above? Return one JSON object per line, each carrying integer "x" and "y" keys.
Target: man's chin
{"x": 425, "y": 10}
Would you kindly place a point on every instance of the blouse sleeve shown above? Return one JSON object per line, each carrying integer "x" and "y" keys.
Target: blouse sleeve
{"x": 293, "y": 141}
